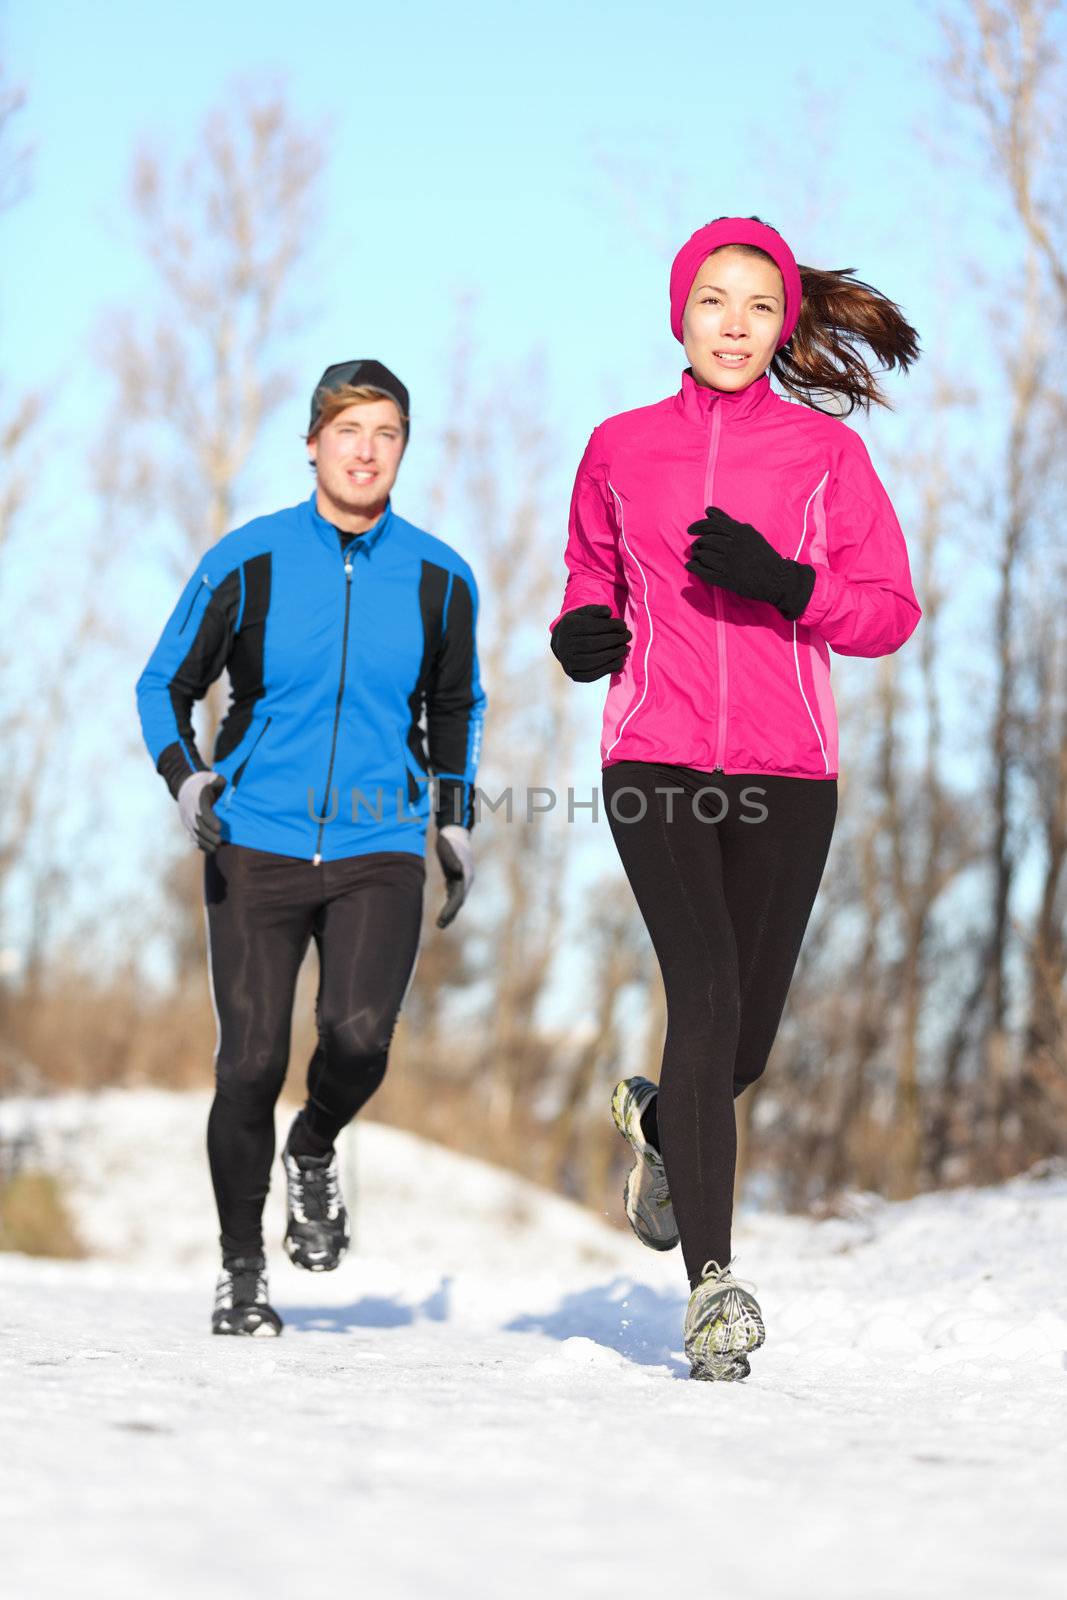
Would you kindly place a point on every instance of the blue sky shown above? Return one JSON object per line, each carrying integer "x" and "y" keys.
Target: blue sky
{"x": 547, "y": 159}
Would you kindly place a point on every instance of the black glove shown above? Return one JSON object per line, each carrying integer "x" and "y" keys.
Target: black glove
{"x": 736, "y": 556}
{"x": 589, "y": 642}
{"x": 196, "y": 803}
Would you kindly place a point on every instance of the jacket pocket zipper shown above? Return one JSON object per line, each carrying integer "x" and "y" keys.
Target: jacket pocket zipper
{"x": 408, "y": 766}
{"x": 205, "y": 583}
{"x": 239, "y": 774}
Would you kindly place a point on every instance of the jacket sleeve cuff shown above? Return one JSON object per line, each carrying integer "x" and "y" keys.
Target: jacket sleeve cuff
{"x": 588, "y": 593}
{"x": 797, "y": 588}
{"x": 820, "y": 597}
{"x": 454, "y": 803}
{"x": 174, "y": 766}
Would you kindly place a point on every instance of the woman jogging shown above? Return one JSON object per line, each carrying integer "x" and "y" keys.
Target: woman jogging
{"x": 341, "y": 626}
{"x": 721, "y": 542}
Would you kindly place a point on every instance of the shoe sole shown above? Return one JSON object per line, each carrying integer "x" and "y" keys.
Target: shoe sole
{"x": 619, "y": 1119}
{"x": 646, "y": 1240}
{"x": 729, "y": 1364}
{"x": 721, "y": 1369}
{"x": 261, "y": 1330}
{"x": 297, "y": 1254}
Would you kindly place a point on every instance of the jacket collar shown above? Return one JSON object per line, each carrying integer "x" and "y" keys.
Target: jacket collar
{"x": 328, "y": 531}
{"x": 696, "y": 402}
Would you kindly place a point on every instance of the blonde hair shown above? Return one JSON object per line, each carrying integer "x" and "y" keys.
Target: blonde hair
{"x": 334, "y": 401}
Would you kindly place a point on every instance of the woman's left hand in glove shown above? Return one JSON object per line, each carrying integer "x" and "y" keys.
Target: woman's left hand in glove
{"x": 457, "y": 863}
{"x": 736, "y": 556}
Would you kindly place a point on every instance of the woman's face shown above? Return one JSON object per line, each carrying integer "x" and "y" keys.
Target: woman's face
{"x": 736, "y": 307}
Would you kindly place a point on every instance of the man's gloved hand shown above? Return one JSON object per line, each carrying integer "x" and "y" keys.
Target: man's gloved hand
{"x": 589, "y": 642}
{"x": 196, "y": 802}
{"x": 736, "y": 556}
{"x": 457, "y": 863}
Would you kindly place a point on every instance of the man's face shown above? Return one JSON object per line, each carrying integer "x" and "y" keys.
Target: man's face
{"x": 357, "y": 456}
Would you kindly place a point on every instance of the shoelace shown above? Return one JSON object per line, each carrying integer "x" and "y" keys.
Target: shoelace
{"x": 724, "y": 1276}
{"x": 318, "y": 1192}
{"x": 241, "y": 1285}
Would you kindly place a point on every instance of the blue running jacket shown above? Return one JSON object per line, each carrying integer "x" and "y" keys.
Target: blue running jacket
{"x": 334, "y": 660}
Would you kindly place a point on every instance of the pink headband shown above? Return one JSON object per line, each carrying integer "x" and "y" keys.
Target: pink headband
{"x": 734, "y": 230}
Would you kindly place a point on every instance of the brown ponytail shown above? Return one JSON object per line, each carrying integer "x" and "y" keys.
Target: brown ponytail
{"x": 837, "y": 313}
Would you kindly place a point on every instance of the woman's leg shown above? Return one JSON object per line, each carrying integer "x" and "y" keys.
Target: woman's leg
{"x": 771, "y": 871}
{"x": 674, "y": 865}
{"x": 725, "y": 880}
{"x": 260, "y": 911}
{"x": 368, "y": 938}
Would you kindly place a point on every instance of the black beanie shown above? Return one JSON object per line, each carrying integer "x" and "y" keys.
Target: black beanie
{"x": 369, "y": 374}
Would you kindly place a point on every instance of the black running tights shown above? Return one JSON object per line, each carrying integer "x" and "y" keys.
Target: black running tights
{"x": 364, "y": 914}
{"x": 725, "y": 869}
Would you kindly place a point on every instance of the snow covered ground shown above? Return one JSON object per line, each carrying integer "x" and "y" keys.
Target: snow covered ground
{"x": 489, "y": 1398}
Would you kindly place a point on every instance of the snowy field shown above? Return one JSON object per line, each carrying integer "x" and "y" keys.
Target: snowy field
{"x": 489, "y": 1397}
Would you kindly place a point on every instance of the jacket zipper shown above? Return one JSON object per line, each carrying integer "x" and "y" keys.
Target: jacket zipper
{"x": 316, "y": 859}
{"x": 205, "y": 582}
{"x": 709, "y": 491}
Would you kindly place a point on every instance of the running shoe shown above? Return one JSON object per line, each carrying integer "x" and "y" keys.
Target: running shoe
{"x": 316, "y": 1233}
{"x": 647, "y": 1197}
{"x": 723, "y": 1323}
{"x": 241, "y": 1303}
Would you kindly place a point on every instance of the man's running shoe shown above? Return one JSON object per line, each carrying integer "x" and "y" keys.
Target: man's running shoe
{"x": 241, "y": 1303}
{"x": 723, "y": 1324}
{"x": 316, "y": 1234}
{"x": 647, "y": 1197}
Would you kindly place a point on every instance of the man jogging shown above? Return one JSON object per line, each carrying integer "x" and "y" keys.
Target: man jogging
{"x": 344, "y": 629}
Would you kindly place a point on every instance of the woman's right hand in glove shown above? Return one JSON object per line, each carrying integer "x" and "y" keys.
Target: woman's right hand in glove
{"x": 589, "y": 642}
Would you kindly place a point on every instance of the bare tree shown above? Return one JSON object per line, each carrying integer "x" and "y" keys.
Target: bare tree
{"x": 581, "y": 1146}
{"x": 1004, "y": 62}
{"x": 1004, "y": 66}
{"x": 14, "y": 155}
{"x": 43, "y": 668}
{"x": 19, "y": 417}
{"x": 26, "y": 739}
{"x": 223, "y": 232}
{"x": 506, "y": 454}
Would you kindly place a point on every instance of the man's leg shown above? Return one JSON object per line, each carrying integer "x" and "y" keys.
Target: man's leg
{"x": 368, "y": 938}
{"x": 260, "y": 912}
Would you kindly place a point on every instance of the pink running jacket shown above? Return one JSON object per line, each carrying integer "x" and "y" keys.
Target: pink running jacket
{"x": 712, "y": 680}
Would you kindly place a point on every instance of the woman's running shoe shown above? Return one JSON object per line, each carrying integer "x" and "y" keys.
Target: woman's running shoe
{"x": 241, "y": 1303}
{"x": 723, "y": 1323}
{"x": 647, "y": 1197}
{"x": 316, "y": 1233}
